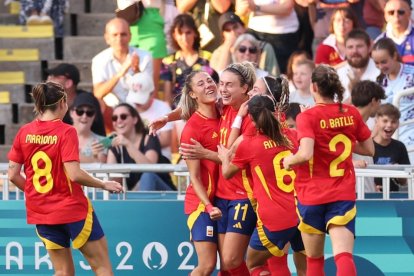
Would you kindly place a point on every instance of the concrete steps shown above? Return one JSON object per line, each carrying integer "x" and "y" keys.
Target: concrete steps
{"x": 92, "y": 24}
{"x": 32, "y": 69}
{"x": 46, "y": 46}
{"x": 82, "y": 47}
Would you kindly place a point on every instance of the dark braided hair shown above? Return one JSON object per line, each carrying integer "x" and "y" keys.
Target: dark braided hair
{"x": 329, "y": 85}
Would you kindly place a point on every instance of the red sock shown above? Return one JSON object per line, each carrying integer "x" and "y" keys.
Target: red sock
{"x": 315, "y": 266}
{"x": 278, "y": 266}
{"x": 223, "y": 273}
{"x": 259, "y": 269}
{"x": 345, "y": 265}
{"x": 241, "y": 270}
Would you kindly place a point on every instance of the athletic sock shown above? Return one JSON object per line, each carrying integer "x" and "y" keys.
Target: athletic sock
{"x": 278, "y": 266}
{"x": 315, "y": 266}
{"x": 345, "y": 265}
{"x": 241, "y": 270}
{"x": 259, "y": 269}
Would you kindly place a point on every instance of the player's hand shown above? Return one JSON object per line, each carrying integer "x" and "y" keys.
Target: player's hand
{"x": 157, "y": 124}
{"x": 361, "y": 164}
{"x": 287, "y": 161}
{"x": 215, "y": 214}
{"x": 223, "y": 153}
{"x": 243, "y": 110}
{"x": 192, "y": 151}
{"x": 113, "y": 187}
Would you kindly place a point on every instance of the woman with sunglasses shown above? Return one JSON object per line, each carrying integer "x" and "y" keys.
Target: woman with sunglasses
{"x": 133, "y": 145}
{"x": 247, "y": 48}
{"x": 328, "y": 134}
{"x": 48, "y": 150}
{"x": 83, "y": 115}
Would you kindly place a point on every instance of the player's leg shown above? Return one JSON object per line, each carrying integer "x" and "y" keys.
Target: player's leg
{"x": 96, "y": 253}
{"x": 207, "y": 258}
{"x": 62, "y": 261}
{"x": 341, "y": 228}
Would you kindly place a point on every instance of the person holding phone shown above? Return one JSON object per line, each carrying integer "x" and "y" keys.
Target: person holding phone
{"x": 83, "y": 113}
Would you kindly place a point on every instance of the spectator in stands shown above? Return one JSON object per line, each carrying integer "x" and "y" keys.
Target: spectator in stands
{"x": 111, "y": 66}
{"x": 394, "y": 78}
{"x": 332, "y": 49}
{"x": 187, "y": 58}
{"x": 44, "y": 12}
{"x": 358, "y": 65}
{"x": 294, "y": 58}
{"x": 247, "y": 48}
{"x": 374, "y": 17}
{"x": 302, "y": 79}
{"x": 69, "y": 77}
{"x": 206, "y": 12}
{"x": 150, "y": 108}
{"x": 83, "y": 113}
{"x": 399, "y": 28}
{"x": 366, "y": 97}
{"x": 232, "y": 27}
{"x": 148, "y": 32}
{"x": 277, "y": 24}
{"x": 133, "y": 145}
{"x": 291, "y": 113}
{"x": 387, "y": 149}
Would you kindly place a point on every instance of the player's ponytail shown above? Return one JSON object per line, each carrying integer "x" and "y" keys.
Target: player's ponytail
{"x": 47, "y": 96}
{"x": 261, "y": 109}
{"x": 329, "y": 85}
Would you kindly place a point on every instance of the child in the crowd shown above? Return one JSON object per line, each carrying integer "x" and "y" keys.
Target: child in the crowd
{"x": 387, "y": 149}
{"x": 302, "y": 73}
{"x": 291, "y": 113}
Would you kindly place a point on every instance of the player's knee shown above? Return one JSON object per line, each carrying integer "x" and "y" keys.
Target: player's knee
{"x": 206, "y": 269}
{"x": 231, "y": 261}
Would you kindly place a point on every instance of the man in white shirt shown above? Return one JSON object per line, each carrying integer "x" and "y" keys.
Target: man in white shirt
{"x": 358, "y": 65}
{"x": 149, "y": 108}
{"x": 111, "y": 66}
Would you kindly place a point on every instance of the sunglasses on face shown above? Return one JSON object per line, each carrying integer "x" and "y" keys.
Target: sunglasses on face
{"x": 121, "y": 116}
{"x": 88, "y": 112}
{"x": 252, "y": 50}
{"x": 399, "y": 12}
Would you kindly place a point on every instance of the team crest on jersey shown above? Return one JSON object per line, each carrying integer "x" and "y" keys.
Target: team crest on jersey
{"x": 209, "y": 231}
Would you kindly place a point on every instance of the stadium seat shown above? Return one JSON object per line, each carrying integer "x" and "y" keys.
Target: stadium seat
{"x": 19, "y": 55}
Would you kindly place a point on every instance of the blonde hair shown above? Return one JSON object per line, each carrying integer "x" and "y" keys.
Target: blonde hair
{"x": 245, "y": 71}
{"x": 46, "y": 96}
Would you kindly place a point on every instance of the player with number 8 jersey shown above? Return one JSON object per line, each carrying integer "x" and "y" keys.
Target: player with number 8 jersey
{"x": 48, "y": 149}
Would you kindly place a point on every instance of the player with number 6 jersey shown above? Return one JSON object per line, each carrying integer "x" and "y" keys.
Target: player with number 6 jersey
{"x": 48, "y": 149}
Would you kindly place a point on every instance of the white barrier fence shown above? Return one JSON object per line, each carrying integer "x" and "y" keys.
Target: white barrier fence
{"x": 106, "y": 171}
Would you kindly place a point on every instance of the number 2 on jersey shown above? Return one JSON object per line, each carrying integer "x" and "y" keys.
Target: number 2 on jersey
{"x": 42, "y": 172}
{"x": 334, "y": 171}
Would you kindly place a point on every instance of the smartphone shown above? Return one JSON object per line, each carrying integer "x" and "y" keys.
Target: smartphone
{"x": 107, "y": 141}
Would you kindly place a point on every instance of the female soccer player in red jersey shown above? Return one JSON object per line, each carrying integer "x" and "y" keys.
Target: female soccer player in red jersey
{"x": 233, "y": 196}
{"x": 325, "y": 183}
{"x": 49, "y": 151}
{"x": 262, "y": 153}
{"x": 198, "y": 105}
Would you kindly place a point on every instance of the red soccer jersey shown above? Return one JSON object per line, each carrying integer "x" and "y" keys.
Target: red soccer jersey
{"x": 51, "y": 197}
{"x": 329, "y": 176}
{"x": 205, "y": 131}
{"x": 239, "y": 186}
{"x": 272, "y": 185}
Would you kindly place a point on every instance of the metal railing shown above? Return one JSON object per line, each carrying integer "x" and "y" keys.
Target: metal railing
{"x": 106, "y": 171}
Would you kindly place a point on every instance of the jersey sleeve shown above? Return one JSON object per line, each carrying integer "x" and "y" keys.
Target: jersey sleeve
{"x": 189, "y": 133}
{"x": 304, "y": 126}
{"x": 15, "y": 153}
{"x": 70, "y": 146}
{"x": 243, "y": 154}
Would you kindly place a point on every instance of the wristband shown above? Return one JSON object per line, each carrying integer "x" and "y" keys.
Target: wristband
{"x": 209, "y": 208}
{"x": 237, "y": 122}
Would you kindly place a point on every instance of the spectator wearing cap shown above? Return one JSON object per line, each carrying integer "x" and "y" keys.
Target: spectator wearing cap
{"x": 68, "y": 76}
{"x": 150, "y": 108}
{"x": 399, "y": 28}
{"x": 111, "y": 66}
{"x": 82, "y": 113}
{"x": 231, "y": 27}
